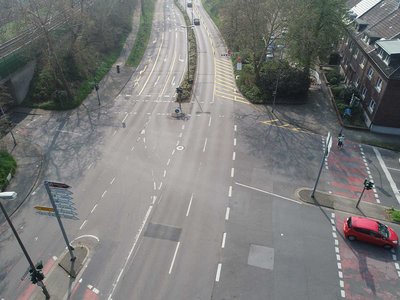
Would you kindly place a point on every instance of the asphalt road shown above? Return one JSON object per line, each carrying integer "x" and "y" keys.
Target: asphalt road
{"x": 203, "y": 207}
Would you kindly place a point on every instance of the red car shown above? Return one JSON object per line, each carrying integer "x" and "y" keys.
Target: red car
{"x": 370, "y": 231}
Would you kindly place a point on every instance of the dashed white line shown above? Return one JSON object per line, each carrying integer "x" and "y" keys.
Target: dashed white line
{"x": 235, "y": 128}
{"x": 183, "y": 127}
{"x": 190, "y": 204}
{"x": 154, "y": 185}
{"x": 234, "y": 156}
{"x": 205, "y": 145}
{"x": 227, "y": 213}
{"x": 90, "y": 166}
{"x": 234, "y": 142}
{"x": 173, "y": 152}
{"x": 173, "y": 259}
{"x": 126, "y": 115}
{"x": 209, "y": 122}
{"x": 112, "y": 181}
{"x": 218, "y": 272}
{"x": 165, "y": 173}
{"x": 223, "y": 240}
{"x": 83, "y": 224}
{"x": 104, "y": 193}
{"x": 169, "y": 160}
{"x": 230, "y": 191}
{"x": 232, "y": 172}
{"x": 94, "y": 207}
{"x": 159, "y": 187}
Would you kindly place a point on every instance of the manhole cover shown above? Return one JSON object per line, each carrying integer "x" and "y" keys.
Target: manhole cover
{"x": 180, "y": 148}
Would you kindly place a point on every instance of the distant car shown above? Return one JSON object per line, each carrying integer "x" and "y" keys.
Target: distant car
{"x": 370, "y": 231}
{"x": 196, "y": 21}
{"x": 189, "y": 4}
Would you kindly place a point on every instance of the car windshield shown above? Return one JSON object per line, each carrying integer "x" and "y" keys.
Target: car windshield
{"x": 383, "y": 229}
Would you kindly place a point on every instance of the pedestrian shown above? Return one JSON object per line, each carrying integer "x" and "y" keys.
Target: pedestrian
{"x": 340, "y": 140}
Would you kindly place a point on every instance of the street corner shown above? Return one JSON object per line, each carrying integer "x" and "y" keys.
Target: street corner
{"x": 73, "y": 265}
{"x": 319, "y": 198}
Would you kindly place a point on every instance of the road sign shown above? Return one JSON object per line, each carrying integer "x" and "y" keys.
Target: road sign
{"x": 59, "y": 185}
{"x": 59, "y": 191}
{"x": 44, "y": 208}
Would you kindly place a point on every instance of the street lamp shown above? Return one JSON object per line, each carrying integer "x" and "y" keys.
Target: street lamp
{"x": 37, "y": 276}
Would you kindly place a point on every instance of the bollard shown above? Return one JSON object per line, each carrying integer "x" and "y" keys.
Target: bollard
{"x": 118, "y": 69}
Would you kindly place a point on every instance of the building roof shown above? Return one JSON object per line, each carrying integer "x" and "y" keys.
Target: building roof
{"x": 390, "y": 47}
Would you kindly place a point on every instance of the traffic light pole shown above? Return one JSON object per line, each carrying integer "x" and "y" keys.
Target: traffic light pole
{"x": 28, "y": 258}
{"x": 359, "y": 199}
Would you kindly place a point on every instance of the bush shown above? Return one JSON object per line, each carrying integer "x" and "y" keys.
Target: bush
{"x": 337, "y": 91}
{"x": 334, "y": 77}
{"x": 394, "y": 214}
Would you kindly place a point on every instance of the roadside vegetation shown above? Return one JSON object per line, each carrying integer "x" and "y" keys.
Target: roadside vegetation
{"x": 394, "y": 215}
{"x": 8, "y": 165}
{"x": 278, "y": 42}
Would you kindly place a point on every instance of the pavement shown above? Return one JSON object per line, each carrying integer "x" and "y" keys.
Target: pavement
{"x": 318, "y": 115}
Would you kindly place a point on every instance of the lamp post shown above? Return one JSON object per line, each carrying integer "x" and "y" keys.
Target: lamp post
{"x": 36, "y": 275}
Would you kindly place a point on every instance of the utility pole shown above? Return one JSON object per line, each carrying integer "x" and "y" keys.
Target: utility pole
{"x": 326, "y": 153}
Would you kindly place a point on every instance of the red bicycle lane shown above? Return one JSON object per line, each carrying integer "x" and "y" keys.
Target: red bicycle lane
{"x": 369, "y": 272}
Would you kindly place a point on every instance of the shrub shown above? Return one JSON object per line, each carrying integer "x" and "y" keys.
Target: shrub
{"x": 334, "y": 77}
{"x": 7, "y": 165}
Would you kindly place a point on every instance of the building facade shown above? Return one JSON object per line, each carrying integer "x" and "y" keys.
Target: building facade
{"x": 371, "y": 61}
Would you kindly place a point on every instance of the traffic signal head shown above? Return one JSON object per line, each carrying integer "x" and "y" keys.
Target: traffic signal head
{"x": 368, "y": 184}
{"x": 39, "y": 276}
{"x": 39, "y": 266}
{"x": 34, "y": 278}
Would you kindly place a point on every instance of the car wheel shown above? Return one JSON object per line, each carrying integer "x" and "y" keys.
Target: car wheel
{"x": 387, "y": 246}
{"x": 351, "y": 237}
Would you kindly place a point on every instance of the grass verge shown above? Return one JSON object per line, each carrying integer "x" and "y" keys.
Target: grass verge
{"x": 7, "y": 165}
{"x": 394, "y": 214}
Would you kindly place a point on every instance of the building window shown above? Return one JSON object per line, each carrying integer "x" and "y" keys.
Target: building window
{"x": 357, "y": 82}
{"x": 370, "y": 72}
{"x": 362, "y": 63}
{"x": 378, "y": 85}
{"x": 356, "y": 53}
{"x": 386, "y": 60}
{"x": 371, "y": 105}
{"x": 364, "y": 92}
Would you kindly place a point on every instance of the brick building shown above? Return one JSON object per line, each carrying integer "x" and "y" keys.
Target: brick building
{"x": 371, "y": 61}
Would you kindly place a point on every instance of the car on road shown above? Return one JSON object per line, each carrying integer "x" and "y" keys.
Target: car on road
{"x": 196, "y": 21}
{"x": 370, "y": 231}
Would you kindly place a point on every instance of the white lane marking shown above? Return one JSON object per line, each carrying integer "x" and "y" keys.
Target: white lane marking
{"x": 342, "y": 293}
{"x": 230, "y": 191}
{"x": 112, "y": 181}
{"x": 387, "y": 173}
{"x": 218, "y": 272}
{"x": 126, "y": 115}
{"x": 155, "y": 64}
{"x": 205, "y": 145}
{"x": 234, "y": 156}
{"x": 234, "y": 142}
{"x": 190, "y": 204}
{"x": 173, "y": 259}
{"x": 235, "y": 128}
{"x": 177, "y": 143}
{"x": 334, "y": 235}
{"x": 83, "y": 224}
{"x": 232, "y": 172}
{"x": 133, "y": 247}
{"x": 65, "y": 131}
{"x": 173, "y": 152}
{"x": 180, "y": 135}
{"x": 104, "y": 193}
{"x": 165, "y": 173}
{"x": 223, "y": 240}
{"x": 90, "y": 166}
{"x": 154, "y": 185}
{"x": 183, "y": 127}
{"x": 394, "y": 169}
{"x": 94, "y": 207}
{"x": 269, "y": 193}
{"x": 115, "y": 132}
{"x": 155, "y": 83}
{"x": 209, "y": 122}
{"x": 169, "y": 160}
{"x": 159, "y": 187}
{"x": 227, "y": 213}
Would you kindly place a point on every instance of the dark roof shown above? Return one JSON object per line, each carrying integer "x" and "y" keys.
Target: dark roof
{"x": 383, "y": 21}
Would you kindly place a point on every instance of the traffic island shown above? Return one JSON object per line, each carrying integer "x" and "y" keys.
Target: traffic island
{"x": 73, "y": 267}
{"x": 344, "y": 204}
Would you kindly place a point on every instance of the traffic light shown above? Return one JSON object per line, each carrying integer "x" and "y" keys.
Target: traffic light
{"x": 368, "y": 184}
{"x": 33, "y": 276}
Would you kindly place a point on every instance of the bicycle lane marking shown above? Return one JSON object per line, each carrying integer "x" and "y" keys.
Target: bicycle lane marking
{"x": 369, "y": 272}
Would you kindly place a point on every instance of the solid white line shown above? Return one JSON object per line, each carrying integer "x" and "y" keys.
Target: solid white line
{"x": 112, "y": 181}
{"x": 173, "y": 259}
{"x": 230, "y": 191}
{"x": 232, "y": 172}
{"x": 218, "y": 272}
{"x": 83, "y": 224}
{"x": 387, "y": 173}
{"x": 265, "y": 192}
{"x": 205, "y": 144}
{"x": 133, "y": 247}
{"x": 234, "y": 156}
{"x": 209, "y": 122}
{"x": 223, "y": 240}
{"x": 227, "y": 213}
{"x": 190, "y": 204}
{"x": 120, "y": 274}
{"x": 104, "y": 193}
{"x": 94, "y": 207}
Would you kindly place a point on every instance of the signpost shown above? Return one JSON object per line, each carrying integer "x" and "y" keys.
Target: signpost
{"x": 326, "y": 154}
{"x": 57, "y": 188}
{"x": 44, "y": 208}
